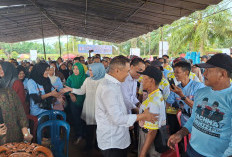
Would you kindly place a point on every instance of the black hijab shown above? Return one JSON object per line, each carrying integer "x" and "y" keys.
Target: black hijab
{"x": 37, "y": 75}
{"x": 22, "y": 68}
{"x": 64, "y": 72}
{"x": 10, "y": 75}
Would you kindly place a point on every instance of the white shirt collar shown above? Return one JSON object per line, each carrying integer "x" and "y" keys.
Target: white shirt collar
{"x": 112, "y": 79}
{"x": 130, "y": 77}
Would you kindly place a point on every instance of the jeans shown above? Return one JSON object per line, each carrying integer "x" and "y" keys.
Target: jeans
{"x": 192, "y": 153}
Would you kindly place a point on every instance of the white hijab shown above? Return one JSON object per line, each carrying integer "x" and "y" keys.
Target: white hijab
{"x": 53, "y": 77}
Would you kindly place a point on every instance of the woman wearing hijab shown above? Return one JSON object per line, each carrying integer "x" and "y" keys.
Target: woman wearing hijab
{"x": 22, "y": 75}
{"x": 70, "y": 65}
{"x": 89, "y": 87}
{"x": 9, "y": 79}
{"x": 15, "y": 124}
{"x": 75, "y": 81}
{"x": 55, "y": 80}
{"x": 40, "y": 89}
{"x": 57, "y": 73}
{"x": 63, "y": 69}
{"x": 56, "y": 83}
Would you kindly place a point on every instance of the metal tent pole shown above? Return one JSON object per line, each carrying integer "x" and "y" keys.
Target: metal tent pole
{"x": 43, "y": 39}
{"x": 67, "y": 47}
{"x": 59, "y": 43}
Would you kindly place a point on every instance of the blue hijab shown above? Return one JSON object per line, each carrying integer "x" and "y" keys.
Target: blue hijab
{"x": 98, "y": 70}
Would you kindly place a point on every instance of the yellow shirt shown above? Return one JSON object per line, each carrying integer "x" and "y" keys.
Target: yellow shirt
{"x": 164, "y": 86}
{"x": 85, "y": 68}
{"x": 155, "y": 103}
{"x": 140, "y": 79}
{"x": 169, "y": 68}
{"x": 192, "y": 76}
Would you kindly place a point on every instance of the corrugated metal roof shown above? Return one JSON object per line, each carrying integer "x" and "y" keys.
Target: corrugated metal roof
{"x": 106, "y": 20}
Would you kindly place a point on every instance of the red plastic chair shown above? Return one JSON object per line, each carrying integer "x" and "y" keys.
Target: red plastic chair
{"x": 189, "y": 135}
{"x": 171, "y": 153}
{"x": 178, "y": 115}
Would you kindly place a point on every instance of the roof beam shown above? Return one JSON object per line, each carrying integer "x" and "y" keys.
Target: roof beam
{"x": 127, "y": 19}
{"x": 44, "y": 12}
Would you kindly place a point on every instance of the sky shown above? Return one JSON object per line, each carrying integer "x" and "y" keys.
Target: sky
{"x": 63, "y": 39}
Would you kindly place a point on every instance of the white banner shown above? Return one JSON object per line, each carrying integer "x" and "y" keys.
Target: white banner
{"x": 33, "y": 55}
{"x": 135, "y": 51}
{"x": 163, "y": 48}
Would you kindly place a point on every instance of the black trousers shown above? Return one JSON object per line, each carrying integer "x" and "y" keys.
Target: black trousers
{"x": 78, "y": 123}
{"x": 90, "y": 136}
{"x": 114, "y": 152}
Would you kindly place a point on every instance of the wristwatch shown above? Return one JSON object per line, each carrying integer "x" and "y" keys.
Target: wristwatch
{"x": 183, "y": 98}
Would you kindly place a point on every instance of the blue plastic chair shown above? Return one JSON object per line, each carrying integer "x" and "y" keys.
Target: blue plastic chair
{"x": 52, "y": 115}
{"x": 57, "y": 143}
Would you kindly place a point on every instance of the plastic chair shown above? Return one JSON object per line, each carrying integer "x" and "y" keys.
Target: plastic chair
{"x": 52, "y": 115}
{"x": 57, "y": 143}
{"x": 189, "y": 135}
{"x": 178, "y": 115}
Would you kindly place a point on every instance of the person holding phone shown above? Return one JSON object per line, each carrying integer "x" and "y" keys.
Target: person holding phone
{"x": 183, "y": 92}
{"x": 210, "y": 123}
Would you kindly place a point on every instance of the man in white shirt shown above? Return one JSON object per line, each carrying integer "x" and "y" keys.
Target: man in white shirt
{"x": 129, "y": 86}
{"x": 112, "y": 119}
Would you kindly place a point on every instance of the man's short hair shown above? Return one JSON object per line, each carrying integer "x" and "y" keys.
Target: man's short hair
{"x": 184, "y": 65}
{"x": 77, "y": 58}
{"x": 98, "y": 56}
{"x": 160, "y": 59}
{"x": 136, "y": 61}
{"x": 155, "y": 57}
{"x": 118, "y": 62}
{"x": 165, "y": 56}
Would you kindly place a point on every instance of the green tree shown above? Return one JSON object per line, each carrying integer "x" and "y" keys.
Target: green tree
{"x": 14, "y": 54}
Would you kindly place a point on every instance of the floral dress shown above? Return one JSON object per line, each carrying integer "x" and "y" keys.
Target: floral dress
{"x": 13, "y": 115}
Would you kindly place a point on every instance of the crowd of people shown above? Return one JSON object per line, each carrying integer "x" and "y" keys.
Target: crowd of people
{"x": 123, "y": 101}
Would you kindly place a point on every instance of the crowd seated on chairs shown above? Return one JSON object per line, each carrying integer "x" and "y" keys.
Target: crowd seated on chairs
{"x": 125, "y": 104}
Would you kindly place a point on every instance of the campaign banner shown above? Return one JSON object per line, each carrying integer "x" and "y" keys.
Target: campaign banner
{"x": 97, "y": 49}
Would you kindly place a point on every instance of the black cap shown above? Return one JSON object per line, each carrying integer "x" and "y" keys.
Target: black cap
{"x": 219, "y": 60}
{"x": 153, "y": 72}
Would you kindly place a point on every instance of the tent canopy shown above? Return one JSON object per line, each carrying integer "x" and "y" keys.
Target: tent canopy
{"x": 106, "y": 20}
